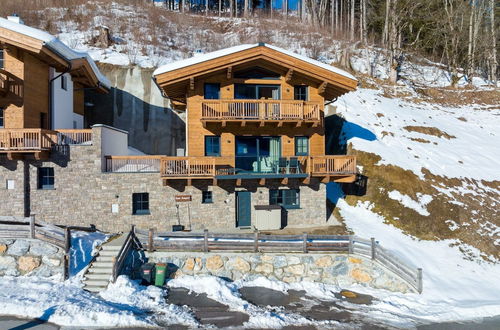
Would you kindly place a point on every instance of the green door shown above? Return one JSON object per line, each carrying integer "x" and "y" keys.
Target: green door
{"x": 243, "y": 209}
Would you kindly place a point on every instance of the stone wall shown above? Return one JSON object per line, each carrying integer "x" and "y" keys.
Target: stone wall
{"x": 338, "y": 269}
{"x": 30, "y": 257}
{"x": 84, "y": 195}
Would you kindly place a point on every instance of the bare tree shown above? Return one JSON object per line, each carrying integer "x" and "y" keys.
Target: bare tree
{"x": 493, "y": 57}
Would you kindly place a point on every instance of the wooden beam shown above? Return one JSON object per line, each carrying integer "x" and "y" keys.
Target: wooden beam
{"x": 224, "y": 123}
{"x": 284, "y": 181}
{"x": 299, "y": 123}
{"x": 289, "y": 75}
{"x": 307, "y": 180}
{"x": 204, "y": 123}
{"x": 238, "y": 182}
{"x": 326, "y": 179}
{"x": 14, "y": 156}
{"x": 214, "y": 182}
{"x": 280, "y": 123}
{"x": 165, "y": 182}
{"x": 261, "y": 123}
{"x": 189, "y": 182}
{"x": 262, "y": 181}
{"x": 243, "y": 123}
{"x": 322, "y": 87}
{"x": 42, "y": 155}
{"x": 191, "y": 83}
{"x": 229, "y": 72}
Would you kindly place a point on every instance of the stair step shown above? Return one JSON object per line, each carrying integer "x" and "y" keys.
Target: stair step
{"x": 100, "y": 270}
{"x": 102, "y": 264}
{"x": 111, "y": 248}
{"x": 108, "y": 253}
{"x": 92, "y": 288}
{"x": 104, "y": 259}
{"x": 101, "y": 283}
{"x": 97, "y": 277}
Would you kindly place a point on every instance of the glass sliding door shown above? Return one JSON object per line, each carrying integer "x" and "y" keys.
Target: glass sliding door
{"x": 257, "y": 154}
{"x": 256, "y": 92}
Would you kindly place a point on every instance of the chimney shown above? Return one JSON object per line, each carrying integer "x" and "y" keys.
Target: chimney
{"x": 15, "y": 18}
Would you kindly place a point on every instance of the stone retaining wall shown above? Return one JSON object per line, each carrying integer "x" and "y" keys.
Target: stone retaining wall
{"x": 338, "y": 269}
{"x": 30, "y": 257}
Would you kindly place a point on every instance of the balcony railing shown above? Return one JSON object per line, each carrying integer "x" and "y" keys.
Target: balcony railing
{"x": 74, "y": 136}
{"x": 266, "y": 110}
{"x": 133, "y": 164}
{"x": 209, "y": 167}
{"x": 27, "y": 139}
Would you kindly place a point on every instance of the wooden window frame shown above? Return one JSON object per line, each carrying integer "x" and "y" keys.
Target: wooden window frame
{"x": 296, "y": 87}
{"x": 205, "y": 91}
{"x": 297, "y": 138}
{"x": 212, "y": 154}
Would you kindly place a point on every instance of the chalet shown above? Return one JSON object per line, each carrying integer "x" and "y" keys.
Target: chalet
{"x": 255, "y": 117}
{"x": 42, "y": 84}
{"x": 255, "y": 140}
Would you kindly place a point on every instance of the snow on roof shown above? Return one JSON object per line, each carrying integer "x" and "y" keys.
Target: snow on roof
{"x": 231, "y": 50}
{"x": 57, "y": 46}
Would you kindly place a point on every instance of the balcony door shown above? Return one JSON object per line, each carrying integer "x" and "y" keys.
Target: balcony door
{"x": 257, "y": 154}
{"x": 256, "y": 92}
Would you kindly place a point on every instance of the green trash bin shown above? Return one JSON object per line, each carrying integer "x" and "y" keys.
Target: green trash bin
{"x": 161, "y": 270}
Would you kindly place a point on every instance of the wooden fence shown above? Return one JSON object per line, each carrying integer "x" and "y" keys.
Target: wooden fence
{"x": 257, "y": 242}
{"x": 20, "y": 227}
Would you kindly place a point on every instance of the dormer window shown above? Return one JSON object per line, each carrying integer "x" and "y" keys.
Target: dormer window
{"x": 64, "y": 83}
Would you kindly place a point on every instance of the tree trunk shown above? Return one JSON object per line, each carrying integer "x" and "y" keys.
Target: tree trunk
{"x": 220, "y": 8}
{"x": 352, "y": 20}
{"x": 245, "y": 9}
{"x": 206, "y": 7}
{"x": 493, "y": 58}
{"x": 385, "y": 34}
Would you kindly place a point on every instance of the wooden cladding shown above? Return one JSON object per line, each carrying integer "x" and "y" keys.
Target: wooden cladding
{"x": 260, "y": 110}
{"x": 26, "y": 139}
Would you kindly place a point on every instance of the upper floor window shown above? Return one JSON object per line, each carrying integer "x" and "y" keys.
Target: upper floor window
{"x": 1, "y": 58}
{"x": 300, "y": 92}
{"x": 64, "y": 82}
{"x": 2, "y": 113}
{"x": 46, "y": 178}
{"x": 212, "y": 91}
{"x": 301, "y": 146}
{"x": 212, "y": 146}
{"x": 252, "y": 92}
{"x": 140, "y": 203}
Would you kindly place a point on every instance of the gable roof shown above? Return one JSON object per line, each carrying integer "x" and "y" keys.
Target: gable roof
{"x": 174, "y": 77}
{"x": 50, "y": 47}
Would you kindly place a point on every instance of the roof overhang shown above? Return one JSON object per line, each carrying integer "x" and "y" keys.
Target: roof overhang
{"x": 174, "y": 78}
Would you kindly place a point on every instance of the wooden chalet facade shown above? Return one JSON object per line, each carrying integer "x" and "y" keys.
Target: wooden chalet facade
{"x": 254, "y": 112}
{"x": 42, "y": 84}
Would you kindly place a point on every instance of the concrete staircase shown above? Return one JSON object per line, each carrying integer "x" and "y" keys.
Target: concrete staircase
{"x": 98, "y": 275}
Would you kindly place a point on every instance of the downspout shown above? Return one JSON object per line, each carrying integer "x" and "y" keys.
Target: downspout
{"x": 51, "y": 99}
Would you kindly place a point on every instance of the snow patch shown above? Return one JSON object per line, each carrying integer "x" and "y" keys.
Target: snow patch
{"x": 407, "y": 201}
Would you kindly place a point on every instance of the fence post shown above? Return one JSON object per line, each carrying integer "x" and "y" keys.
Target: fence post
{"x": 205, "y": 240}
{"x": 32, "y": 226}
{"x": 256, "y": 241}
{"x": 67, "y": 239}
{"x": 373, "y": 247}
{"x": 420, "y": 284}
{"x": 132, "y": 229}
{"x": 66, "y": 266}
{"x": 150, "y": 240}
{"x": 304, "y": 242}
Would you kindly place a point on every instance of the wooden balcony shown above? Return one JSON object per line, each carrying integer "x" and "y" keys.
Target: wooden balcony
{"x": 261, "y": 112}
{"x": 18, "y": 142}
{"x": 328, "y": 168}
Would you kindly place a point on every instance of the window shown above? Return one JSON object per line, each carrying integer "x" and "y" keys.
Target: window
{"x": 252, "y": 92}
{"x": 64, "y": 82}
{"x": 206, "y": 197}
{"x": 46, "y": 178}
{"x": 2, "y": 123}
{"x": 140, "y": 203}
{"x": 301, "y": 146}
{"x": 1, "y": 59}
{"x": 288, "y": 198}
{"x": 300, "y": 92}
{"x": 212, "y": 146}
{"x": 212, "y": 91}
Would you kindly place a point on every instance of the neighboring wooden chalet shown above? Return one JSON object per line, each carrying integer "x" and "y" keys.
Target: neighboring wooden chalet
{"x": 255, "y": 112}
{"x": 42, "y": 84}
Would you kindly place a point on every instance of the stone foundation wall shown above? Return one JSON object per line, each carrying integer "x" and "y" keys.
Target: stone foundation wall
{"x": 30, "y": 257}
{"x": 338, "y": 269}
{"x": 84, "y": 195}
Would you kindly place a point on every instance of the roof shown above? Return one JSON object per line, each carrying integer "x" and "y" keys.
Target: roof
{"x": 228, "y": 51}
{"x": 174, "y": 78}
{"x": 55, "y": 45}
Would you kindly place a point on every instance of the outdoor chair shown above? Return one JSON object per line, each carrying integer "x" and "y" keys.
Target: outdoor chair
{"x": 294, "y": 165}
{"x": 282, "y": 165}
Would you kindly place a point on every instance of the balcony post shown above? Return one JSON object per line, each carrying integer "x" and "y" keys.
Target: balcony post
{"x": 302, "y": 108}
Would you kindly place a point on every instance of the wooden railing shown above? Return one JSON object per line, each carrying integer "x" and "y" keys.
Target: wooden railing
{"x": 131, "y": 242}
{"x": 260, "y": 110}
{"x": 212, "y": 166}
{"x": 257, "y": 242}
{"x": 74, "y": 136}
{"x": 27, "y": 139}
{"x": 133, "y": 164}
{"x": 327, "y": 165}
{"x": 188, "y": 166}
